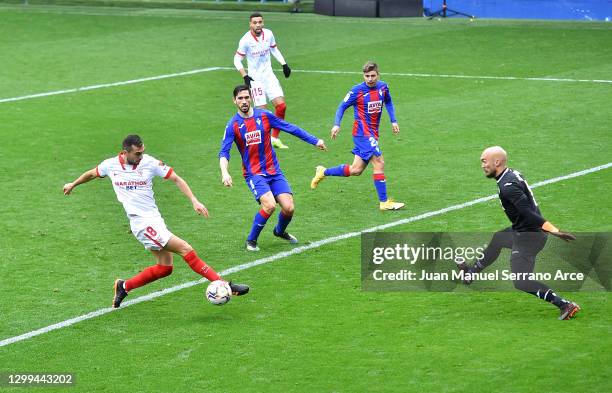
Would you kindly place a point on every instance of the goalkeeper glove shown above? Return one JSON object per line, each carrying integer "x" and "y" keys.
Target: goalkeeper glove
{"x": 550, "y": 228}
{"x": 286, "y": 70}
{"x": 564, "y": 235}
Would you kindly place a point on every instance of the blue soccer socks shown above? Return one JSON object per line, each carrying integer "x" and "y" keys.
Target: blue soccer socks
{"x": 381, "y": 186}
{"x": 283, "y": 222}
{"x": 258, "y": 224}
{"x": 340, "y": 170}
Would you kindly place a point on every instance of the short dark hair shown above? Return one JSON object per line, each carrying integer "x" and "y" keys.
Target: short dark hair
{"x": 255, "y": 15}
{"x": 240, "y": 88}
{"x": 370, "y": 66}
{"x": 131, "y": 140}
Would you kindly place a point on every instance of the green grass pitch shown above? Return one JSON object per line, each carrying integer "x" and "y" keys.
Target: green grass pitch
{"x": 306, "y": 326}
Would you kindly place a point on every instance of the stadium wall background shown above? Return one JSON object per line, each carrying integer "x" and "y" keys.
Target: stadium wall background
{"x": 529, "y": 9}
{"x": 600, "y": 10}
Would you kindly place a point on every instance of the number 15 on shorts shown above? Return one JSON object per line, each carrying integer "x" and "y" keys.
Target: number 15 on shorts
{"x": 258, "y": 94}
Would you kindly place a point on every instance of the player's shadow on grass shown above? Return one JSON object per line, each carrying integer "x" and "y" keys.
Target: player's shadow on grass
{"x": 216, "y": 317}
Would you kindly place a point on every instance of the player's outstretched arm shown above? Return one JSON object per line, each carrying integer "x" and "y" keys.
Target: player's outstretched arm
{"x": 520, "y": 201}
{"x": 226, "y": 178}
{"x": 84, "y": 178}
{"x": 276, "y": 122}
{"x": 184, "y": 187}
{"x": 553, "y": 230}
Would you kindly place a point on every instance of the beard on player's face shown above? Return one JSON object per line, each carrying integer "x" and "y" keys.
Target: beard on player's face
{"x": 133, "y": 159}
{"x": 244, "y": 107}
{"x": 134, "y": 155}
{"x": 489, "y": 172}
{"x": 257, "y": 27}
{"x": 490, "y": 175}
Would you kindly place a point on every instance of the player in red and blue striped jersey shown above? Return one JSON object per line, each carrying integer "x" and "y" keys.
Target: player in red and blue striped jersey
{"x": 368, "y": 99}
{"x": 250, "y": 129}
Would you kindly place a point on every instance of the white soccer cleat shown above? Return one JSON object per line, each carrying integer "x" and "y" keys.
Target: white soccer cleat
{"x": 276, "y": 142}
{"x": 390, "y": 204}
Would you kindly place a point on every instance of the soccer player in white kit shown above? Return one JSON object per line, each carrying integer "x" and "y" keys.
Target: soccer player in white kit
{"x": 132, "y": 173}
{"x": 256, "y": 45}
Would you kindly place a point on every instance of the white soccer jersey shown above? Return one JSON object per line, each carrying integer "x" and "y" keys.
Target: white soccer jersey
{"x": 257, "y": 51}
{"x": 133, "y": 184}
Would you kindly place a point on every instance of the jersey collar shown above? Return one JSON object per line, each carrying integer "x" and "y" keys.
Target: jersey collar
{"x": 498, "y": 179}
{"x": 254, "y": 36}
{"x": 122, "y": 162}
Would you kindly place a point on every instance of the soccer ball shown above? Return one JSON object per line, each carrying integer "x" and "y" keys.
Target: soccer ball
{"x": 218, "y": 292}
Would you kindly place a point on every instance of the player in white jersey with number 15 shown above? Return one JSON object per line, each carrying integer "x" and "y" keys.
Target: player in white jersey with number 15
{"x": 256, "y": 45}
{"x": 131, "y": 174}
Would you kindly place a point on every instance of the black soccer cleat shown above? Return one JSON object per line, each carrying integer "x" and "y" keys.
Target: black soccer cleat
{"x": 466, "y": 270}
{"x": 239, "y": 289}
{"x": 285, "y": 236}
{"x": 569, "y": 310}
{"x": 120, "y": 293}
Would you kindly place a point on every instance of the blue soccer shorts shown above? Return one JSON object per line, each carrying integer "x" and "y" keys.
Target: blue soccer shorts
{"x": 366, "y": 147}
{"x": 259, "y": 185}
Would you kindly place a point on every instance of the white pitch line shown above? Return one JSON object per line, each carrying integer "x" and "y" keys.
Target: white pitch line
{"x": 200, "y": 70}
{"x": 417, "y": 75}
{"x": 105, "y": 85}
{"x": 281, "y": 255}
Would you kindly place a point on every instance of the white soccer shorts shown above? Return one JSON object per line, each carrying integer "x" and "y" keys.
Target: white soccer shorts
{"x": 265, "y": 87}
{"x": 150, "y": 231}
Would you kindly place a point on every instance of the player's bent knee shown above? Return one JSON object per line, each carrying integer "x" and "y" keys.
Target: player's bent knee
{"x": 356, "y": 171}
{"x": 268, "y": 206}
{"x": 288, "y": 210}
{"x": 185, "y": 248}
{"x": 379, "y": 166}
{"x": 166, "y": 260}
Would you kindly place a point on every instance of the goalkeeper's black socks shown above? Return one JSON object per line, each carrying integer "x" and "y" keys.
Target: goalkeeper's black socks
{"x": 550, "y": 296}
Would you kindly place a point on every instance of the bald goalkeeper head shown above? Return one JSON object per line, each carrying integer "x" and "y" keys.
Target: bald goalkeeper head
{"x": 493, "y": 161}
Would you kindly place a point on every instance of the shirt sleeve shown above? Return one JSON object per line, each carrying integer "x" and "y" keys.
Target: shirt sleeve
{"x": 242, "y": 47}
{"x": 349, "y": 100}
{"x": 102, "y": 169}
{"x": 389, "y": 105}
{"x": 160, "y": 168}
{"x": 238, "y": 61}
{"x": 276, "y": 122}
{"x": 272, "y": 39}
{"x": 277, "y": 55}
{"x": 519, "y": 199}
{"x": 226, "y": 143}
